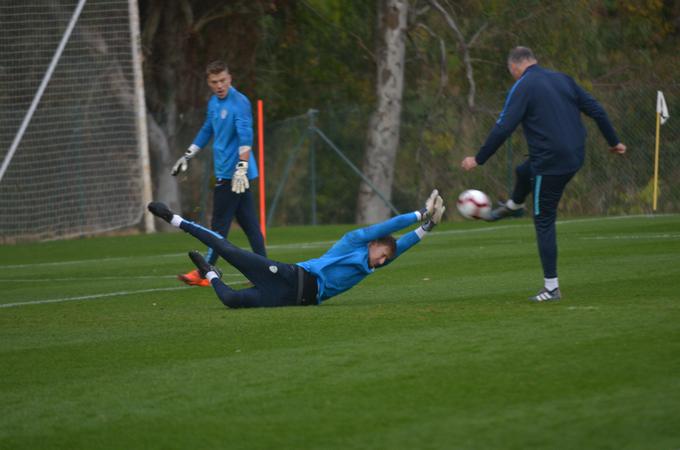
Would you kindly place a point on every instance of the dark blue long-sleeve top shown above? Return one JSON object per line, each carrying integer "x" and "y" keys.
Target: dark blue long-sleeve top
{"x": 346, "y": 263}
{"x": 549, "y": 106}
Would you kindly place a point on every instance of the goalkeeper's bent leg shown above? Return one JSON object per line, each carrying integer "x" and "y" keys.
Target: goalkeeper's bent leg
{"x": 255, "y": 267}
{"x": 232, "y": 298}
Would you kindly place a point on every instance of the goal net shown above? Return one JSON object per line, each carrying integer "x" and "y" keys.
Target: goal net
{"x": 80, "y": 166}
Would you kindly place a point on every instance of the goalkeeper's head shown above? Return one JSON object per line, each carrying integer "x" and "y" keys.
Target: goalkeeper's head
{"x": 218, "y": 78}
{"x": 380, "y": 250}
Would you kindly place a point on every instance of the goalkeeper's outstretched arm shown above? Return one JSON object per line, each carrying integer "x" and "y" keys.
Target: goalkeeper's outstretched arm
{"x": 373, "y": 232}
{"x": 430, "y": 221}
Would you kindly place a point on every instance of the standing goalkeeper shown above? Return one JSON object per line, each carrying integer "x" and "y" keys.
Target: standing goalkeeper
{"x": 549, "y": 106}
{"x": 229, "y": 122}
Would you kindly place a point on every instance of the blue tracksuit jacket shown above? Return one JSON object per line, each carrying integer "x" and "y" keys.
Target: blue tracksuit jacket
{"x": 346, "y": 263}
{"x": 230, "y": 122}
{"x": 549, "y": 106}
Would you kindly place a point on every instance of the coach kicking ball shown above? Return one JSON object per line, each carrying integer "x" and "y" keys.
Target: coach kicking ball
{"x": 549, "y": 105}
{"x": 351, "y": 259}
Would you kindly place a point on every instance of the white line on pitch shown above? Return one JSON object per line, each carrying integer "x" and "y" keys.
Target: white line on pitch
{"x": 50, "y": 280}
{"x": 98, "y": 296}
{"x": 316, "y": 244}
{"x": 631, "y": 237}
{"x": 303, "y": 245}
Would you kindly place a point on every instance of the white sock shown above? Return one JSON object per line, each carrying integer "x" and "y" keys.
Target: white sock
{"x": 210, "y": 275}
{"x": 551, "y": 284}
{"x": 514, "y": 206}
{"x": 176, "y": 220}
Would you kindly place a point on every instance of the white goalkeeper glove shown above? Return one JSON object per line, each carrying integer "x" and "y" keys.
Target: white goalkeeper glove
{"x": 427, "y": 211}
{"x": 239, "y": 181}
{"x": 182, "y": 163}
{"x": 438, "y": 209}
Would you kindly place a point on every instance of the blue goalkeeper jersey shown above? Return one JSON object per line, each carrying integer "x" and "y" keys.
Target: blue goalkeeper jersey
{"x": 346, "y": 263}
{"x": 229, "y": 121}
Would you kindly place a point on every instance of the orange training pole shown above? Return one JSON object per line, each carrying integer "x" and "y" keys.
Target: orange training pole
{"x": 260, "y": 148}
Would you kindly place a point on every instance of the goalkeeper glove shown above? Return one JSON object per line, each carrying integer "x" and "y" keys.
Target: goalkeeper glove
{"x": 239, "y": 181}
{"x": 438, "y": 209}
{"x": 182, "y": 163}
{"x": 427, "y": 211}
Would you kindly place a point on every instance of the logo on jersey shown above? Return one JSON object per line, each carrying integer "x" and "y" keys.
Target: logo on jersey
{"x": 223, "y": 113}
{"x": 273, "y": 269}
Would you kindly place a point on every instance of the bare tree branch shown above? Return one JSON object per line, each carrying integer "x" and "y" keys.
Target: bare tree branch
{"x": 358, "y": 38}
{"x": 215, "y": 14}
{"x": 417, "y": 10}
{"x": 465, "y": 47}
{"x": 474, "y": 37}
{"x": 443, "y": 73}
{"x": 188, "y": 12}
{"x": 546, "y": 7}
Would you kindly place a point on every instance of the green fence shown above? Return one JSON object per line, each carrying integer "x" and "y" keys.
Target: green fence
{"x": 308, "y": 182}
{"x": 311, "y": 176}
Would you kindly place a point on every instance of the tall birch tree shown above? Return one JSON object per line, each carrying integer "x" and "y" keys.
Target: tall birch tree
{"x": 383, "y": 132}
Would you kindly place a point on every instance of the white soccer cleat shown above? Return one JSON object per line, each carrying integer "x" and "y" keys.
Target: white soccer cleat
{"x": 546, "y": 296}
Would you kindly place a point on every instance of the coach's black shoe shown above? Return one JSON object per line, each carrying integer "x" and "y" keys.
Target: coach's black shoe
{"x": 160, "y": 210}
{"x": 202, "y": 265}
{"x": 546, "y": 296}
{"x": 503, "y": 212}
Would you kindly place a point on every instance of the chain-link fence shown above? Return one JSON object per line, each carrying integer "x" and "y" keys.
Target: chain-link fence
{"x": 309, "y": 183}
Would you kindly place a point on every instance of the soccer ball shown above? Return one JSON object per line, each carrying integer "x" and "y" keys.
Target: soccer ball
{"x": 474, "y": 204}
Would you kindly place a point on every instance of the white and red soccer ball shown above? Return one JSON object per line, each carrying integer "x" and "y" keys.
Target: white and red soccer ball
{"x": 474, "y": 204}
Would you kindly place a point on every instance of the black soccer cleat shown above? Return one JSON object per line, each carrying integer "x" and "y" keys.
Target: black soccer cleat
{"x": 503, "y": 212}
{"x": 160, "y": 210}
{"x": 546, "y": 296}
{"x": 202, "y": 265}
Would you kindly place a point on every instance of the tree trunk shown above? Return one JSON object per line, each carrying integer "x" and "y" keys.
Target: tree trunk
{"x": 180, "y": 38}
{"x": 383, "y": 132}
{"x": 165, "y": 187}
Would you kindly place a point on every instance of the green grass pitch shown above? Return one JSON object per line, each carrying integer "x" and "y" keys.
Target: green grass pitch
{"x": 100, "y": 347}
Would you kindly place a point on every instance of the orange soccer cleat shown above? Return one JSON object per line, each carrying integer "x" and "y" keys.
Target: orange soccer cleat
{"x": 193, "y": 278}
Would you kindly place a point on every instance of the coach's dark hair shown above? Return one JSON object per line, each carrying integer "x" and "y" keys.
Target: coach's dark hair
{"x": 390, "y": 242}
{"x": 216, "y": 67}
{"x": 519, "y": 54}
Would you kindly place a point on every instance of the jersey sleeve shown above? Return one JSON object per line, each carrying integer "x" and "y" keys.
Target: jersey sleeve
{"x": 370, "y": 233}
{"x": 592, "y": 108}
{"x": 244, "y": 123}
{"x": 206, "y": 132}
{"x": 513, "y": 112}
{"x": 406, "y": 242}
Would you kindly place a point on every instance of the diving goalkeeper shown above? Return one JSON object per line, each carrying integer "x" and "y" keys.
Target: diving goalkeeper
{"x": 356, "y": 255}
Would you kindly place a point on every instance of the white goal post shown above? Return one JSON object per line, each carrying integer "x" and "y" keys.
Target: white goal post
{"x": 73, "y": 142}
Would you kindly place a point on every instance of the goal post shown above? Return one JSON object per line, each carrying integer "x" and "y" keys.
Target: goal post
{"x": 73, "y": 142}
{"x": 140, "y": 110}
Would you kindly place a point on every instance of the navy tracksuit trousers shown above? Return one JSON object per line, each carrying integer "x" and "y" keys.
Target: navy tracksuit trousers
{"x": 276, "y": 283}
{"x": 228, "y": 205}
{"x": 547, "y": 192}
